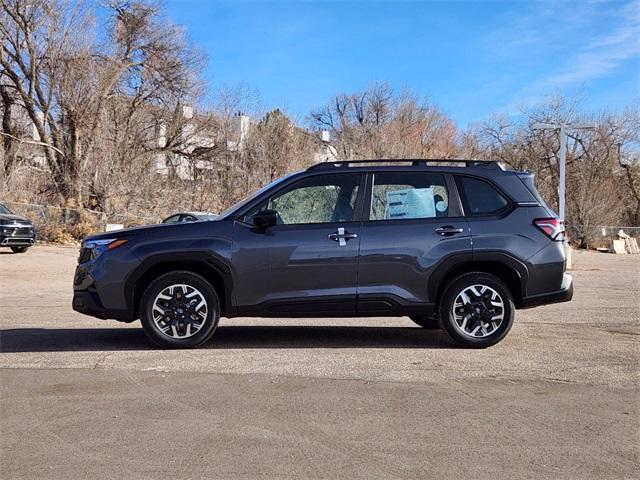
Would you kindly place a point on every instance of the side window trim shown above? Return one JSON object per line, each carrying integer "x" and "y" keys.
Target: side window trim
{"x": 465, "y": 203}
{"x": 358, "y": 210}
{"x": 368, "y": 193}
{"x": 456, "y": 208}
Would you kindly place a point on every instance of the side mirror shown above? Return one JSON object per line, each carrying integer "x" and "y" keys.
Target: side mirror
{"x": 265, "y": 219}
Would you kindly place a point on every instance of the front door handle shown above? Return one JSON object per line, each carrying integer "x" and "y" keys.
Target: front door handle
{"x": 342, "y": 236}
{"x": 449, "y": 230}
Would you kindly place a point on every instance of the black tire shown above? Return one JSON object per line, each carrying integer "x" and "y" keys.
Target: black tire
{"x": 19, "y": 249}
{"x": 458, "y": 285}
{"x": 429, "y": 322}
{"x": 180, "y": 277}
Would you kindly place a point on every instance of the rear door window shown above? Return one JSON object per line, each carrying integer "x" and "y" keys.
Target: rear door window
{"x": 403, "y": 196}
{"x": 480, "y": 197}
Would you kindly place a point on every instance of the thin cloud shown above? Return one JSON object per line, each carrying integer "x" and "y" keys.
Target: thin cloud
{"x": 596, "y": 58}
{"x": 602, "y": 55}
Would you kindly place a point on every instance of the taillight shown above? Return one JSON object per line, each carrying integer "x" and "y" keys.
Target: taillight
{"x": 551, "y": 227}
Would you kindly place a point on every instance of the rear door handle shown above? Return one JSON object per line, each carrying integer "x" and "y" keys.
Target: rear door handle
{"x": 449, "y": 230}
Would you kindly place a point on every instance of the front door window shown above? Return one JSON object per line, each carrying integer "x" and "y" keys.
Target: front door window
{"x": 322, "y": 199}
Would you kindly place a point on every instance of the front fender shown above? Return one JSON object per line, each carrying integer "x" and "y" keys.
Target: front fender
{"x": 212, "y": 252}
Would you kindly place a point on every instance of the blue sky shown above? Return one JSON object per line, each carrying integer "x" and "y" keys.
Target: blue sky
{"x": 471, "y": 58}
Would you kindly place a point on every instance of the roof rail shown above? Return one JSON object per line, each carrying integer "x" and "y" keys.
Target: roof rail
{"x": 421, "y": 162}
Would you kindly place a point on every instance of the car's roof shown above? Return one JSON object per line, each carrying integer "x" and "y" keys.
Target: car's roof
{"x": 476, "y": 167}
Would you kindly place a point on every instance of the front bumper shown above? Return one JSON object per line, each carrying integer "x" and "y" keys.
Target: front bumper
{"x": 17, "y": 236}
{"x": 88, "y": 302}
{"x": 86, "y": 299}
{"x": 565, "y": 294}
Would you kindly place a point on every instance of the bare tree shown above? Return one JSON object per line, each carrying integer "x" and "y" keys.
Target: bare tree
{"x": 72, "y": 86}
{"x": 627, "y": 145}
{"x": 377, "y": 123}
{"x": 277, "y": 146}
{"x": 601, "y": 174}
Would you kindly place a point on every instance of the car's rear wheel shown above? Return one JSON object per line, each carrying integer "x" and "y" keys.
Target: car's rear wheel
{"x": 430, "y": 322}
{"x": 179, "y": 310}
{"x": 477, "y": 310}
{"x": 19, "y": 249}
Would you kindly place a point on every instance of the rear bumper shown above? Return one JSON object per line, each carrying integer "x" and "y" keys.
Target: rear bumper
{"x": 565, "y": 294}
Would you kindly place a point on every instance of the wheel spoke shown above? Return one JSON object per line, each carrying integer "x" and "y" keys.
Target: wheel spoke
{"x": 475, "y": 291}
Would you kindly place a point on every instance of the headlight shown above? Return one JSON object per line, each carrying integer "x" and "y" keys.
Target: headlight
{"x": 97, "y": 247}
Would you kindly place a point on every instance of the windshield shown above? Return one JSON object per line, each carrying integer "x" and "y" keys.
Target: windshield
{"x": 248, "y": 199}
{"x": 4, "y": 209}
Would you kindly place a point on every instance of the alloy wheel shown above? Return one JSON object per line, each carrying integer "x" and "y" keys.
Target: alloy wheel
{"x": 179, "y": 311}
{"x": 478, "y": 311}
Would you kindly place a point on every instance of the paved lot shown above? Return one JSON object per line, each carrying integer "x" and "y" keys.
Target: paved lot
{"x": 340, "y": 398}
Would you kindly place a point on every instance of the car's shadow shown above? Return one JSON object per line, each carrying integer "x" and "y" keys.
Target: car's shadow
{"x": 226, "y": 337}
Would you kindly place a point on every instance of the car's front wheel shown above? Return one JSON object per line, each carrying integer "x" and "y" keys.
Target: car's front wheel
{"x": 179, "y": 310}
{"x": 19, "y": 249}
{"x": 477, "y": 310}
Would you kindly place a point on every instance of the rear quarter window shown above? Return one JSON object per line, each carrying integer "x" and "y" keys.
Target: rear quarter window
{"x": 480, "y": 197}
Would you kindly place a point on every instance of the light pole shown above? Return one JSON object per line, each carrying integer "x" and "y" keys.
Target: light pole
{"x": 562, "y": 127}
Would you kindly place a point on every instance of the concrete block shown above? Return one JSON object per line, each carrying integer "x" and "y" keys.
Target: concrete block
{"x": 618, "y": 247}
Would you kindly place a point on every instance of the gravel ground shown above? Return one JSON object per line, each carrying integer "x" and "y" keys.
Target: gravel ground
{"x": 321, "y": 398}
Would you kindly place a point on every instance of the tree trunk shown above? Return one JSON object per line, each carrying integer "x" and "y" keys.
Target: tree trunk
{"x": 7, "y": 139}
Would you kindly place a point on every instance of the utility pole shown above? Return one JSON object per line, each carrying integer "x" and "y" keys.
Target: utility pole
{"x": 563, "y": 127}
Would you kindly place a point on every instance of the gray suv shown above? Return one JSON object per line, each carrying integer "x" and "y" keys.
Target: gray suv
{"x": 457, "y": 245}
